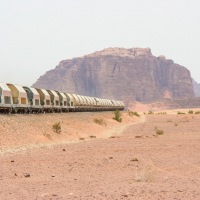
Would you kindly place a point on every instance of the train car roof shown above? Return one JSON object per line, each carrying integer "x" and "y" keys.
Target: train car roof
{"x": 45, "y": 92}
{"x": 19, "y": 88}
{"x": 54, "y": 93}
{"x": 69, "y": 95}
{"x": 4, "y": 87}
{"x": 33, "y": 90}
{"x": 62, "y": 94}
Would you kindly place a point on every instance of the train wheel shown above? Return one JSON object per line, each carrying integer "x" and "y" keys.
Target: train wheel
{"x": 9, "y": 110}
{"x": 30, "y": 110}
{"x": 25, "y": 111}
{"x": 15, "y": 110}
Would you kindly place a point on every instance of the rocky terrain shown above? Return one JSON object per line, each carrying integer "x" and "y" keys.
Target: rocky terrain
{"x": 118, "y": 73}
{"x": 87, "y": 161}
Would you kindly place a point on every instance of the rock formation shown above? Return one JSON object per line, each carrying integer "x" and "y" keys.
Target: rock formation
{"x": 196, "y": 87}
{"x": 118, "y": 73}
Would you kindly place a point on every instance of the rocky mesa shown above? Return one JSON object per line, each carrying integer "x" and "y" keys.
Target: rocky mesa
{"x": 117, "y": 73}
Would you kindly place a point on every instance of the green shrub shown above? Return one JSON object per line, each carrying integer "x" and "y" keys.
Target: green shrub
{"x": 56, "y": 127}
{"x": 159, "y": 132}
{"x": 117, "y": 116}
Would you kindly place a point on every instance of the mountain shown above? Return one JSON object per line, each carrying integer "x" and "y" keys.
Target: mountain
{"x": 196, "y": 87}
{"x": 117, "y": 73}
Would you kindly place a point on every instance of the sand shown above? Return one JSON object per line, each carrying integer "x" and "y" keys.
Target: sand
{"x": 86, "y": 160}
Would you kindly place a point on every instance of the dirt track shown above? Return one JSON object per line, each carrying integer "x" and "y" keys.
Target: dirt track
{"x": 135, "y": 164}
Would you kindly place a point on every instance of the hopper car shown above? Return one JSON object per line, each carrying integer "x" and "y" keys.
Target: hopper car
{"x": 22, "y": 99}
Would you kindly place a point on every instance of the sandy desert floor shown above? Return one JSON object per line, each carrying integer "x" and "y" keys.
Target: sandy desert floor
{"x": 125, "y": 160}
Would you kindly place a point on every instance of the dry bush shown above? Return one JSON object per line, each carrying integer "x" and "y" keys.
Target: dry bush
{"x": 132, "y": 113}
{"x": 159, "y": 132}
{"x": 92, "y": 136}
{"x": 161, "y": 113}
{"x": 190, "y": 112}
{"x": 100, "y": 121}
{"x": 180, "y": 113}
{"x": 57, "y": 128}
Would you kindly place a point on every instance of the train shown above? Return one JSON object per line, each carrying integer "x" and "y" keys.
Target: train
{"x": 22, "y": 99}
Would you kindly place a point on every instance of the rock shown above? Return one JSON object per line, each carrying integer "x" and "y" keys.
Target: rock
{"x": 118, "y": 73}
{"x": 27, "y": 175}
{"x": 196, "y": 87}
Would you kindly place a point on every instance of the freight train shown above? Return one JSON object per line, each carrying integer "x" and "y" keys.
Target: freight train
{"x": 23, "y": 99}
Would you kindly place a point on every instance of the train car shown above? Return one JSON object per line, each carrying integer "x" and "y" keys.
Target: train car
{"x": 33, "y": 99}
{"x": 77, "y": 103}
{"x": 5, "y": 99}
{"x": 45, "y": 100}
{"x": 19, "y": 97}
{"x": 93, "y": 104}
{"x": 55, "y": 101}
{"x": 70, "y": 102}
{"x": 63, "y": 101}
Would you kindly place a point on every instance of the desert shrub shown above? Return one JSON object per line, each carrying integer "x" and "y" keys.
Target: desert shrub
{"x": 197, "y": 112}
{"x": 132, "y": 113}
{"x": 159, "y": 132}
{"x": 57, "y": 127}
{"x": 100, "y": 121}
{"x": 190, "y": 112}
{"x": 180, "y": 113}
{"x": 117, "y": 116}
{"x": 150, "y": 113}
{"x": 161, "y": 113}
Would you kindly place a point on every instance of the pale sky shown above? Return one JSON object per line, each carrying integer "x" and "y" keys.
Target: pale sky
{"x": 35, "y": 35}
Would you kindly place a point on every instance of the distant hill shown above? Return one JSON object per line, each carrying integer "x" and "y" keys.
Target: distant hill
{"x": 118, "y": 73}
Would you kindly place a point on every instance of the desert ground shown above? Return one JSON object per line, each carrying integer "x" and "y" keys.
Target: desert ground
{"x": 154, "y": 156}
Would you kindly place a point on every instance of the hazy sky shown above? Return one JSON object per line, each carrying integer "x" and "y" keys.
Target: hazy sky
{"x": 35, "y": 35}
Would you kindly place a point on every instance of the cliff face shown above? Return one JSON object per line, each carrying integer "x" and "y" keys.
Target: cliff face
{"x": 118, "y": 73}
{"x": 196, "y": 87}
